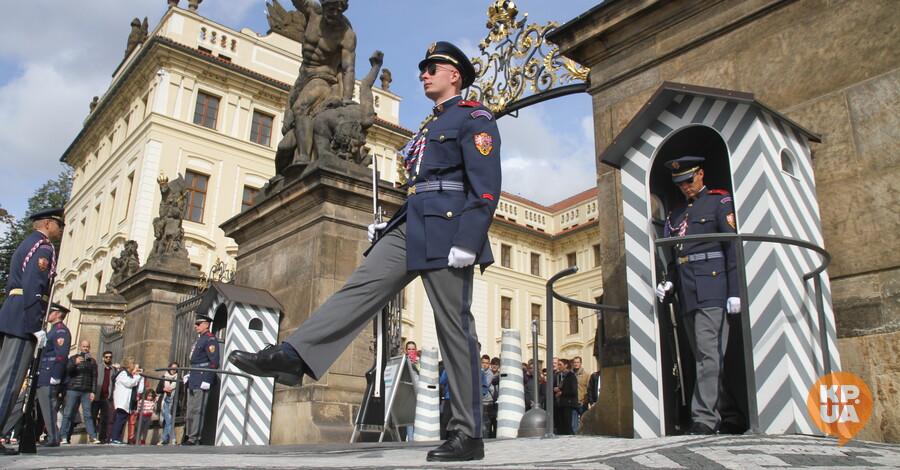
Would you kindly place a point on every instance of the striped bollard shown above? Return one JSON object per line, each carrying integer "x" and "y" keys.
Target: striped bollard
{"x": 428, "y": 411}
{"x": 511, "y": 402}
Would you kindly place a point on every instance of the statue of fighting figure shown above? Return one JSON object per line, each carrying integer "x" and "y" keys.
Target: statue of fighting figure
{"x": 326, "y": 78}
{"x": 124, "y": 266}
{"x": 168, "y": 244}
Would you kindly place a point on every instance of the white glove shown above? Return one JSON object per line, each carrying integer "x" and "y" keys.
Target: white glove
{"x": 373, "y": 228}
{"x": 460, "y": 257}
{"x": 54, "y": 381}
{"x": 186, "y": 377}
{"x": 41, "y": 337}
{"x": 204, "y": 386}
{"x": 661, "y": 290}
{"x": 734, "y": 305}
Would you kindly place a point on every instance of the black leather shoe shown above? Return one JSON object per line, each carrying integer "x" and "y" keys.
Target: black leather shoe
{"x": 700, "y": 429}
{"x": 8, "y": 450}
{"x": 457, "y": 448}
{"x": 50, "y": 444}
{"x": 270, "y": 362}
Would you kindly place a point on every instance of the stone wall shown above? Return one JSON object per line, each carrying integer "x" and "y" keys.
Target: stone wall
{"x": 830, "y": 65}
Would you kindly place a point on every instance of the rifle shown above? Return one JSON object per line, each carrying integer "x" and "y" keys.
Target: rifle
{"x": 677, "y": 371}
{"x": 27, "y": 441}
{"x": 371, "y": 413}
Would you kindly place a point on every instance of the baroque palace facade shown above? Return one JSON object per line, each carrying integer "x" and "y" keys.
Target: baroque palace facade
{"x": 204, "y": 101}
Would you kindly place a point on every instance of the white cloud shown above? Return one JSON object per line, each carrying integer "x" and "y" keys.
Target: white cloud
{"x": 545, "y": 163}
{"x": 64, "y": 53}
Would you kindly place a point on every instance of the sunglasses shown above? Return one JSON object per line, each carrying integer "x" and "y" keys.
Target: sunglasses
{"x": 432, "y": 68}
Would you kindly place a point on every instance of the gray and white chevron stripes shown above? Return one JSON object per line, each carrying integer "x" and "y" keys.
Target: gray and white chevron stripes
{"x": 785, "y": 327}
{"x": 511, "y": 399}
{"x": 235, "y": 411}
{"x": 428, "y": 406}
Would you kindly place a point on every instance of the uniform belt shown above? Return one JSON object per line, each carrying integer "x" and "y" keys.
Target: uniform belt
{"x": 20, "y": 291}
{"x": 438, "y": 185}
{"x": 202, "y": 364}
{"x": 699, "y": 257}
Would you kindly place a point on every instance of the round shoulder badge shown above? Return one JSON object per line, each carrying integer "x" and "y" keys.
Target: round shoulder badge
{"x": 43, "y": 264}
{"x": 212, "y": 348}
{"x": 484, "y": 143}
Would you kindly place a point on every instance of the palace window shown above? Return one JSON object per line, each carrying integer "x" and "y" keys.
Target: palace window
{"x": 535, "y": 264}
{"x": 505, "y": 256}
{"x": 249, "y": 198}
{"x": 536, "y": 316}
{"x": 261, "y": 130}
{"x": 207, "y": 110}
{"x": 196, "y": 199}
{"x": 573, "y": 319}
{"x": 597, "y": 255}
{"x": 571, "y": 259}
{"x": 505, "y": 312}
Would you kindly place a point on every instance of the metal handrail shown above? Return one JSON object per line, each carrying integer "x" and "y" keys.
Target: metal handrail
{"x": 179, "y": 370}
{"x": 548, "y": 391}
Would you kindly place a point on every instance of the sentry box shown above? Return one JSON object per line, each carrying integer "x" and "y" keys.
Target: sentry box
{"x": 763, "y": 159}
{"x": 250, "y": 318}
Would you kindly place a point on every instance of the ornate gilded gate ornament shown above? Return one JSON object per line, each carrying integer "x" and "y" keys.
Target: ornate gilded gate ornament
{"x": 218, "y": 272}
{"x": 514, "y": 61}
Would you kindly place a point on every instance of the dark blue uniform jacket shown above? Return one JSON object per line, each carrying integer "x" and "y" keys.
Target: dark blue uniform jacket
{"x": 205, "y": 353}
{"x": 55, "y": 354}
{"x": 462, "y": 144}
{"x": 22, "y": 315}
{"x": 706, "y": 283}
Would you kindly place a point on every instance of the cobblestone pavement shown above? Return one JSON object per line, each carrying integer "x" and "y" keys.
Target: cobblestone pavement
{"x": 715, "y": 452}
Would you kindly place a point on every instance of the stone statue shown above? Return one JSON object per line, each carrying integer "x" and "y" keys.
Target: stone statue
{"x": 290, "y": 24}
{"x": 193, "y": 5}
{"x": 138, "y": 34}
{"x": 340, "y": 129}
{"x": 168, "y": 245}
{"x": 327, "y": 75}
{"x": 172, "y": 3}
{"x": 386, "y": 80}
{"x": 94, "y": 102}
{"x": 124, "y": 266}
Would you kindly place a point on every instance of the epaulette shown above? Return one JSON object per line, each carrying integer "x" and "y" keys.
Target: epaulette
{"x": 718, "y": 192}
{"x": 469, "y": 104}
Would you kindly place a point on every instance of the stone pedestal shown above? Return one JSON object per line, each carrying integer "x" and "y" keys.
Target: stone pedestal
{"x": 98, "y": 311}
{"x": 301, "y": 244}
{"x": 151, "y": 295}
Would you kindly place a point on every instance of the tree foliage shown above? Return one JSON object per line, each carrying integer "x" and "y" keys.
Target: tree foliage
{"x": 53, "y": 193}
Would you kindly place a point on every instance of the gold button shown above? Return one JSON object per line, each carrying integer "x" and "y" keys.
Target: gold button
{"x": 691, "y": 205}
{"x": 449, "y": 214}
{"x": 425, "y": 131}
{"x": 714, "y": 273}
{"x": 702, "y": 221}
{"x": 441, "y": 138}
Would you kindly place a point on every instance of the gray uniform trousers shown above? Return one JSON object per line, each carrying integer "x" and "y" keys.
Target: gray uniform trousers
{"x": 196, "y": 414}
{"x": 707, "y": 332}
{"x": 46, "y": 397}
{"x": 382, "y": 274}
{"x": 16, "y": 355}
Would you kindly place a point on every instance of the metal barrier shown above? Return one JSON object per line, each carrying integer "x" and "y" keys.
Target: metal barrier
{"x": 179, "y": 370}
{"x": 753, "y": 410}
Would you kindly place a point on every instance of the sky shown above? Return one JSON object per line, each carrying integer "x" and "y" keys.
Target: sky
{"x": 56, "y": 55}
